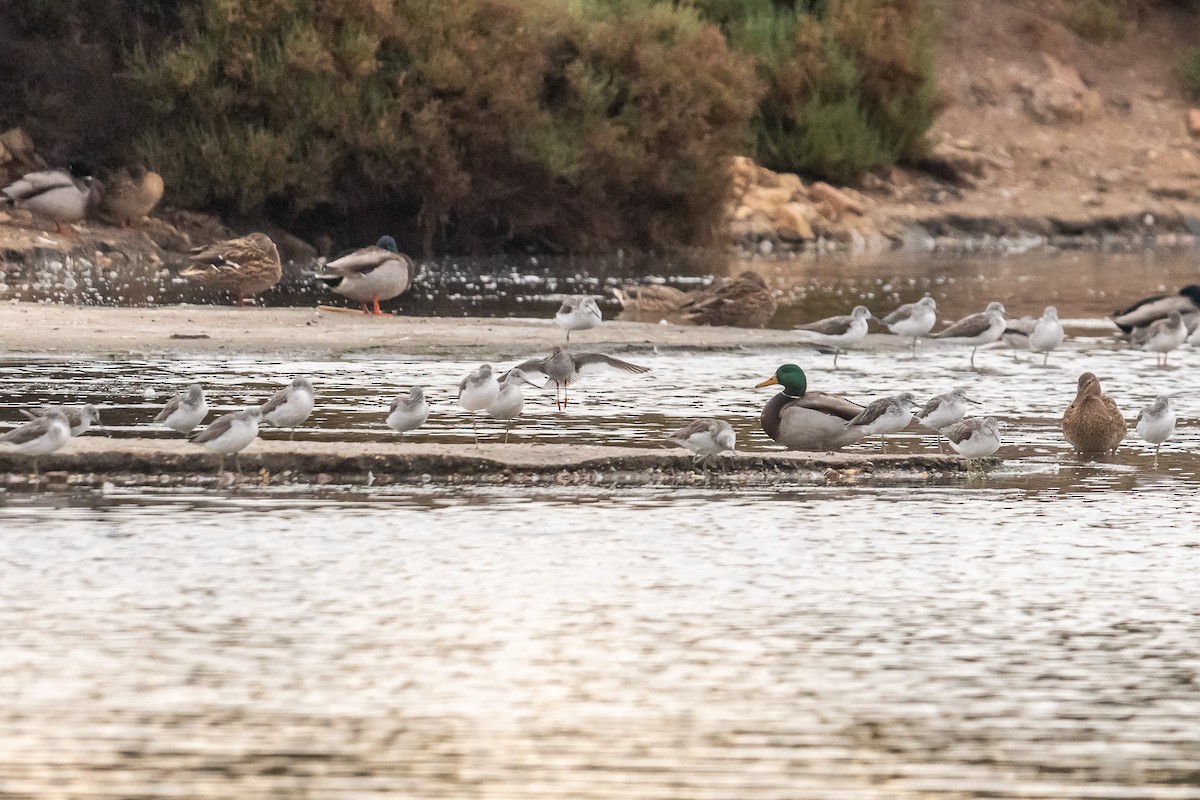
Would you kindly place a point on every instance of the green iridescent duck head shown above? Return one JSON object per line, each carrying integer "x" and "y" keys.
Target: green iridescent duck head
{"x": 791, "y": 378}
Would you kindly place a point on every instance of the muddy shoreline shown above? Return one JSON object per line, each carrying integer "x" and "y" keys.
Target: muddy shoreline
{"x": 92, "y": 461}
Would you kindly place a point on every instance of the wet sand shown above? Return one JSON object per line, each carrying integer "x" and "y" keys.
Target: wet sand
{"x": 91, "y": 460}
{"x": 27, "y": 328}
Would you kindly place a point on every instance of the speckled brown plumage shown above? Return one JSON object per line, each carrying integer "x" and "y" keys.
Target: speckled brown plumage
{"x": 243, "y": 266}
{"x": 742, "y": 302}
{"x": 1093, "y": 423}
{"x": 129, "y": 196}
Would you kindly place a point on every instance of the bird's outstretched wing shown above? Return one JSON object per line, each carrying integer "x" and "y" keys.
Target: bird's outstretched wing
{"x": 587, "y": 362}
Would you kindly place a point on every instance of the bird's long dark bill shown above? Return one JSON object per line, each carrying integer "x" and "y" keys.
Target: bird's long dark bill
{"x": 768, "y": 382}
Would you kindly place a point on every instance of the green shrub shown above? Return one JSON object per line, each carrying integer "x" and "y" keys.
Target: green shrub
{"x": 1096, "y": 20}
{"x": 585, "y": 125}
{"x": 1189, "y": 71}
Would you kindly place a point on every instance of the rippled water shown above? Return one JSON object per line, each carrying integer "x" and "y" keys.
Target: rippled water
{"x": 1031, "y": 634}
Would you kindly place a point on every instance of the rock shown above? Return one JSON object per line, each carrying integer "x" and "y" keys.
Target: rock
{"x": 839, "y": 200}
{"x": 792, "y": 223}
{"x": 1193, "y": 121}
{"x": 1170, "y": 191}
{"x": 1061, "y": 97}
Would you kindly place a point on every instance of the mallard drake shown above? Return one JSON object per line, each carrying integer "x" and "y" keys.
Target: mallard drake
{"x": 741, "y": 302}
{"x": 1158, "y": 306}
{"x": 838, "y": 331}
{"x": 371, "y": 274}
{"x": 913, "y": 319}
{"x": 802, "y": 420}
{"x": 63, "y": 195}
{"x": 245, "y": 266}
{"x": 1093, "y": 423}
{"x": 129, "y": 195}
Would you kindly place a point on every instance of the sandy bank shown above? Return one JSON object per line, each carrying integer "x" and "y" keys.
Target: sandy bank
{"x": 30, "y": 329}
{"x": 93, "y": 460}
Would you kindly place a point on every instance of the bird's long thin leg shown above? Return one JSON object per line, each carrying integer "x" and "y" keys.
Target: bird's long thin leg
{"x": 1046, "y": 358}
{"x": 973, "y": 349}
{"x": 914, "y": 350}
{"x": 507, "y": 430}
{"x": 475, "y": 430}
{"x": 237, "y": 462}
{"x": 292, "y": 434}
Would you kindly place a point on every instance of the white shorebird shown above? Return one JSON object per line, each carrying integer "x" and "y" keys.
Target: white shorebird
{"x": 913, "y": 320}
{"x": 885, "y": 415}
{"x": 40, "y": 436}
{"x": 1161, "y": 337}
{"x": 706, "y": 437}
{"x": 580, "y": 313}
{"x": 184, "y": 411}
{"x": 563, "y": 369}
{"x": 974, "y": 438}
{"x": 370, "y": 274}
{"x": 1156, "y": 423}
{"x": 1047, "y": 333}
{"x": 289, "y": 407}
{"x": 230, "y": 434}
{"x": 476, "y": 392}
{"x": 943, "y": 411}
{"x": 837, "y": 332}
{"x": 80, "y": 418}
{"x": 408, "y": 411}
{"x": 509, "y": 400}
{"x": 977, "y": 329}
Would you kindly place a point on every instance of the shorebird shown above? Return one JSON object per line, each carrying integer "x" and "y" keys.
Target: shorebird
{"x": 885, "y": 415}
{"x": 509, "y": 400}
{"x": 563, "y": 369}
{"x": 40, "y": 436}
{"x": 838, "y": 331}
{"x": 476, "y": 392}
{"x": 230, "y": 434}
{"x": 408, "y": 411}
{"x": 1155, "y": 307}
{"x": 1161, "y": 337}
{"x": 943, "y": 411}
{"x": 580, "y": 313}
{"x": 913, "y": 320}
{"x": 706, "y": 437}
{"x": 370, "y": 274}
{"x": 80, "y": 418}
{"x": 184, "y": 411}
{"x": 1156, "y": 423}
{"x": 289, "y": 407}
{"x": 63, "y": 195}
{"x": 977, "y": 329}
{"x": 244, "y": 266}
{"x": 1047, "y": 333}
{"x": 802, "y": 420}
{"x": 1016, "y": 334}
{"x": 974, "y": 438}
{"x": 1093, "y": 423}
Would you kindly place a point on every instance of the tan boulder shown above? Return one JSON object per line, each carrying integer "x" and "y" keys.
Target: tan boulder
{"x": 1061, "y": 96}
{"x": 1193, "y": 121}
{"x": 841, "y": 201}
{"x": 791, "y": 223}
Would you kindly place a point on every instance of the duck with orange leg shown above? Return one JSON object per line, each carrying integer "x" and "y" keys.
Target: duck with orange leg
{"x": 370, "y": 274}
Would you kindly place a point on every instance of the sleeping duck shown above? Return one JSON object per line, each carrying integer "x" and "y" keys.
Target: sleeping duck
{"x": 129, "y": 195}
{"x": 802, "y": 420}
{"x": 370, "y": 274}
{"x": 62, "y": 195}
{"x": 243, "y": 266}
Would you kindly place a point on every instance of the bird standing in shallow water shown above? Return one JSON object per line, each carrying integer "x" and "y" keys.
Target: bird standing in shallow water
{"x": 40, "y": 436}
{"x": 974, "y": 438}
{"x": 289, "y": 407}
{"x": 706, "y": 437}
{"x": 885, "y": 415}
{"x": 1093, "y": 423}
{"x": 579, "y": 313}
{"x": 564, "y": 369}
{"x": 509, "y": 400}
{"x": 476, "y": 392}
{"x": 184, "y": 411}
{"x": 802, "y": 420}
{"x": 838, "y": 331}
{"x": 408, "y": 411}
{"x": 913, "y": 319}
{"x": 1161, "y": 337}
{"x": 230, "y": 434}
{"x": 943, "y": 411}
{"x": 1156, "y": 423}
{"x": 80, "y": 418}
{"x": 370, "y": 274}
{"x": 243, "y": 266}
{"x": 1047, "y": 333}
{"x": 977, "y": 329}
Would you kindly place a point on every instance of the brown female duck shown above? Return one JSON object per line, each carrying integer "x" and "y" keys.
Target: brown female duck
{"x": 243, "y": 266}
{"x": 129, "y": 195}
{"x": 1093, "y": 423}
